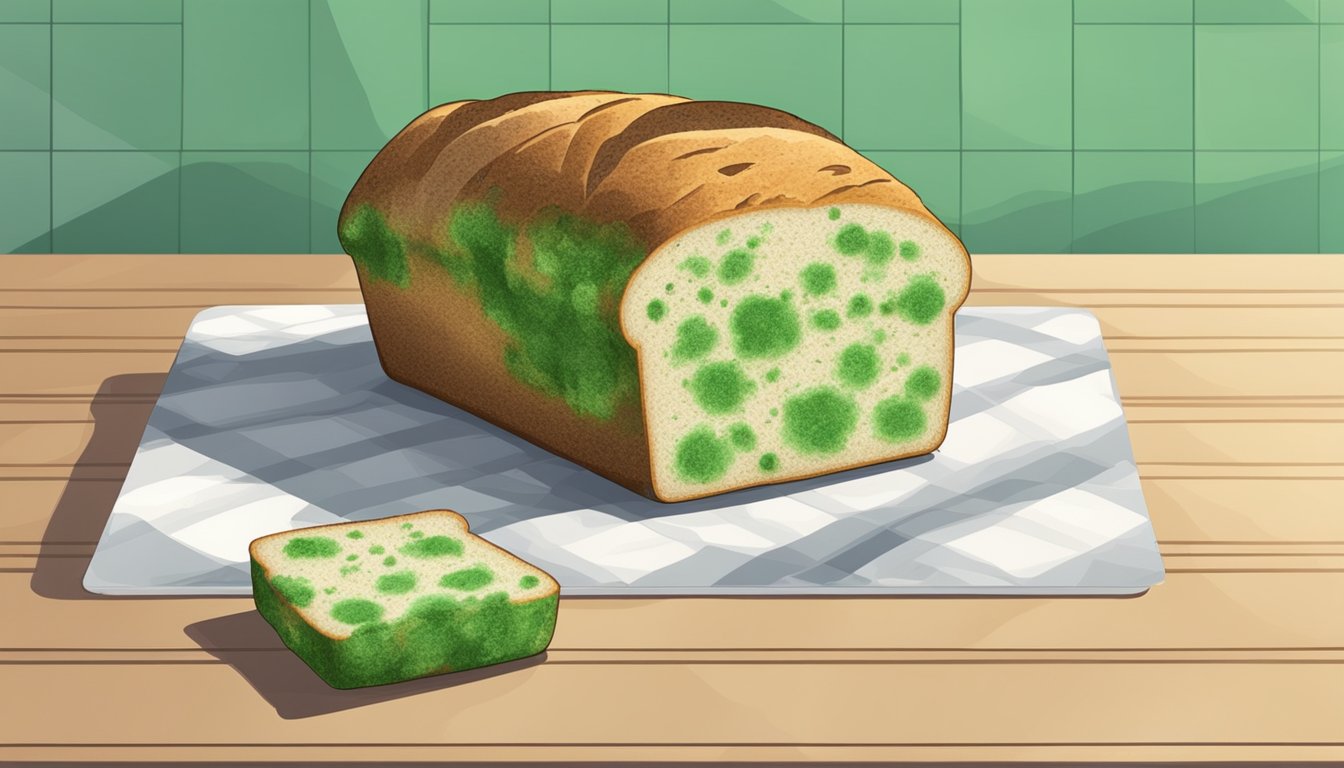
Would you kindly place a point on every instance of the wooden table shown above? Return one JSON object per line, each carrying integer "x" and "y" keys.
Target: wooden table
{"x": 1232, "y": 373}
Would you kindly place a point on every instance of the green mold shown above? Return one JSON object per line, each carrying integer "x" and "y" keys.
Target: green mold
{"x": 921, "y": 300}
{"x": 468, "y": 579}
{"x": 858, "y": 366}
{"x": 721, "y": 387}
{"x": 769, "y": 462}
{"x": 909, "y": 250}
{"x": 763, "y": 327}
{"x": 356, "y": 611}
{"x": 311, "y": 547}
{"x": 529, "y": 581}
{"x": 433, "y": 546}
{"x": 697, "y": 265}
{"x": 851, "y": 240}
{"x": 656, "y": 310}
{"x": 735, "y": 267}
{"x": 833, "y": 214}
{"x": 704, "y": 295}
{"x": 742, "y": 436}
{"x": 396, "y": 583}
{"x": 695, "y": 339}
{"x": 375, "y": 248}
{"x": 820, "y": 420}
{"x": 560, "y": 316}
{"x": 701, "y": 457}
{"x": 297, "y": 590}
{"x": 826, "y": 320}
{"x": 818, "y": 279}
{"x": 859, "y": 306}
{"x": 923, "y": 383}
{"x": 897, "y": 419}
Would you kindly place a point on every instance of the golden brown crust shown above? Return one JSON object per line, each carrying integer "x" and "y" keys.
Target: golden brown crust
{"x": 660, "y": 164}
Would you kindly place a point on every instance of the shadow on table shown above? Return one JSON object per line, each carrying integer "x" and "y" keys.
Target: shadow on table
{"x": 120, "y": 410}
{"x": 247, "y": 643}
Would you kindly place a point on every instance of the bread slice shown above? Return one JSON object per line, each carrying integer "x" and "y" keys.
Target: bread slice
{"x": 686, "y": 297}
{"x": 403, "y": 597}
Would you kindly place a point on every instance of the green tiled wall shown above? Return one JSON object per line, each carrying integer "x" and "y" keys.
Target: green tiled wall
{"x": 1082, "y": 126}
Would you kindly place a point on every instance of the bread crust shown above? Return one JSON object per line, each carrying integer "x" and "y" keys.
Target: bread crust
{"x": 659, "y": 164}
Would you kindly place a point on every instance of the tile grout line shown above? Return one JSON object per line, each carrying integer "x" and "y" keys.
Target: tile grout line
{"x": 426, "y": 2}
{"x": 961, "y": 124}
{"x": 310, "y": 126}
{"x": 181, "y": 114}
{"x": 51, "y": 128}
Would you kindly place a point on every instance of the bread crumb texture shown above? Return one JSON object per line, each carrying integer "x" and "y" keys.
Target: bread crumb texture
{"x": 446, "y": 601}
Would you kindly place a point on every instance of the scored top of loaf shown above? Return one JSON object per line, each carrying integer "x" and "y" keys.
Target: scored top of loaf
{"x": 658, "y": 163}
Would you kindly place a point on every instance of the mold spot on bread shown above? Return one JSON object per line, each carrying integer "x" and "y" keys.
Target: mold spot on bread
{"x": 657, "y": 310}
{"x": 826, "y": 319}
{"x": 396, "y": 583}
{"x": 702, "y": 457}
{"x": 375, "y": 247}
{"x": 529, "y": 581}
{"x": 921, "y": 300}
{"x": 297, "y": 590}
{"x": 858, "y": 366}
{"x": 898, "y": 419}
{"x": 764, "y": 327}
{"x": 721, "y": 387}
{"x": 356, "y": 611}
{"x": 820, "y": 420}
{"x": 433, "y": 546}
{"x": 557, "y": 308}
{"x": 818, "y": 279}
{"x": 312, "y": 547}
{"x": 695, "y": 339}
{"x": 735, "y": 267}
{"x": 468, "y": 579}
{"x": 742, "y": 436}
{"x": 768, "y": 462}
{"x": 923, "y": 383}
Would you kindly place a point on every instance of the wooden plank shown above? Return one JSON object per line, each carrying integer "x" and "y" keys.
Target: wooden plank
{"x": 1151, "y": 272}
{"x": 173, "y": 272}
{"x": 687, "y": 703}
{"x": 684, "y": 756}
{"x": 1228, "y": 610}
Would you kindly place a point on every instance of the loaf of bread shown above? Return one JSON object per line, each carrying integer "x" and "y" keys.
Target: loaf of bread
{"x": 686, "y": 297}
{"x": 403, "y": 597}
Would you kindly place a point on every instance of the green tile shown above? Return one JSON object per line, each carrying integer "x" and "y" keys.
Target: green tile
{"x": 1256, "y": 202}
{"x": 246, "y": 74}
{"x": 1123, "y": 101}
{"x": 609, "y": 11}
{"x": 25, "y": 202}
{"x": 1121, "y": 11}
{"x": 456, "y": 53}
{"x": 1256, "y": 87}
{"x": 905, "y": 12}
{"x": 1133, "y": 202}
{"x": 757, "y": 11}
{"x": 1332, "y": 87}
{"x": 1016, "y": 77}
{"x": 334, "y": 173}
{"x": 613, "y": 57}
{"x": 1332, "y": 202}
{"x": 488, "y": 11}
{"x": 885, "y": 112}
{"x": 114, "y": 202}
{"x": 1016, "y": 202}
{"x": 25, "y": 11}
{"x": 117, "y": 86}
{"x": 245, "y": 202}
{"x": 368, "y": 71}
{"x": 795, "y": 68}
{"x": 1255, "y": 11}
{"x": 934, "y": 176}
{"x": 1332, "y": 11}
{"x": 25, "y": 80}
{"x": 117, "y": 10}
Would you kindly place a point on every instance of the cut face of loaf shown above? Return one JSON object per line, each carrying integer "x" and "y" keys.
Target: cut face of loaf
{"x": 788, "y": 343}
{"x": 399, "y": 598}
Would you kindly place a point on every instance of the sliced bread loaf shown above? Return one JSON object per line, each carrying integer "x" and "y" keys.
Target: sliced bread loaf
{"x": 398, "y": 598}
